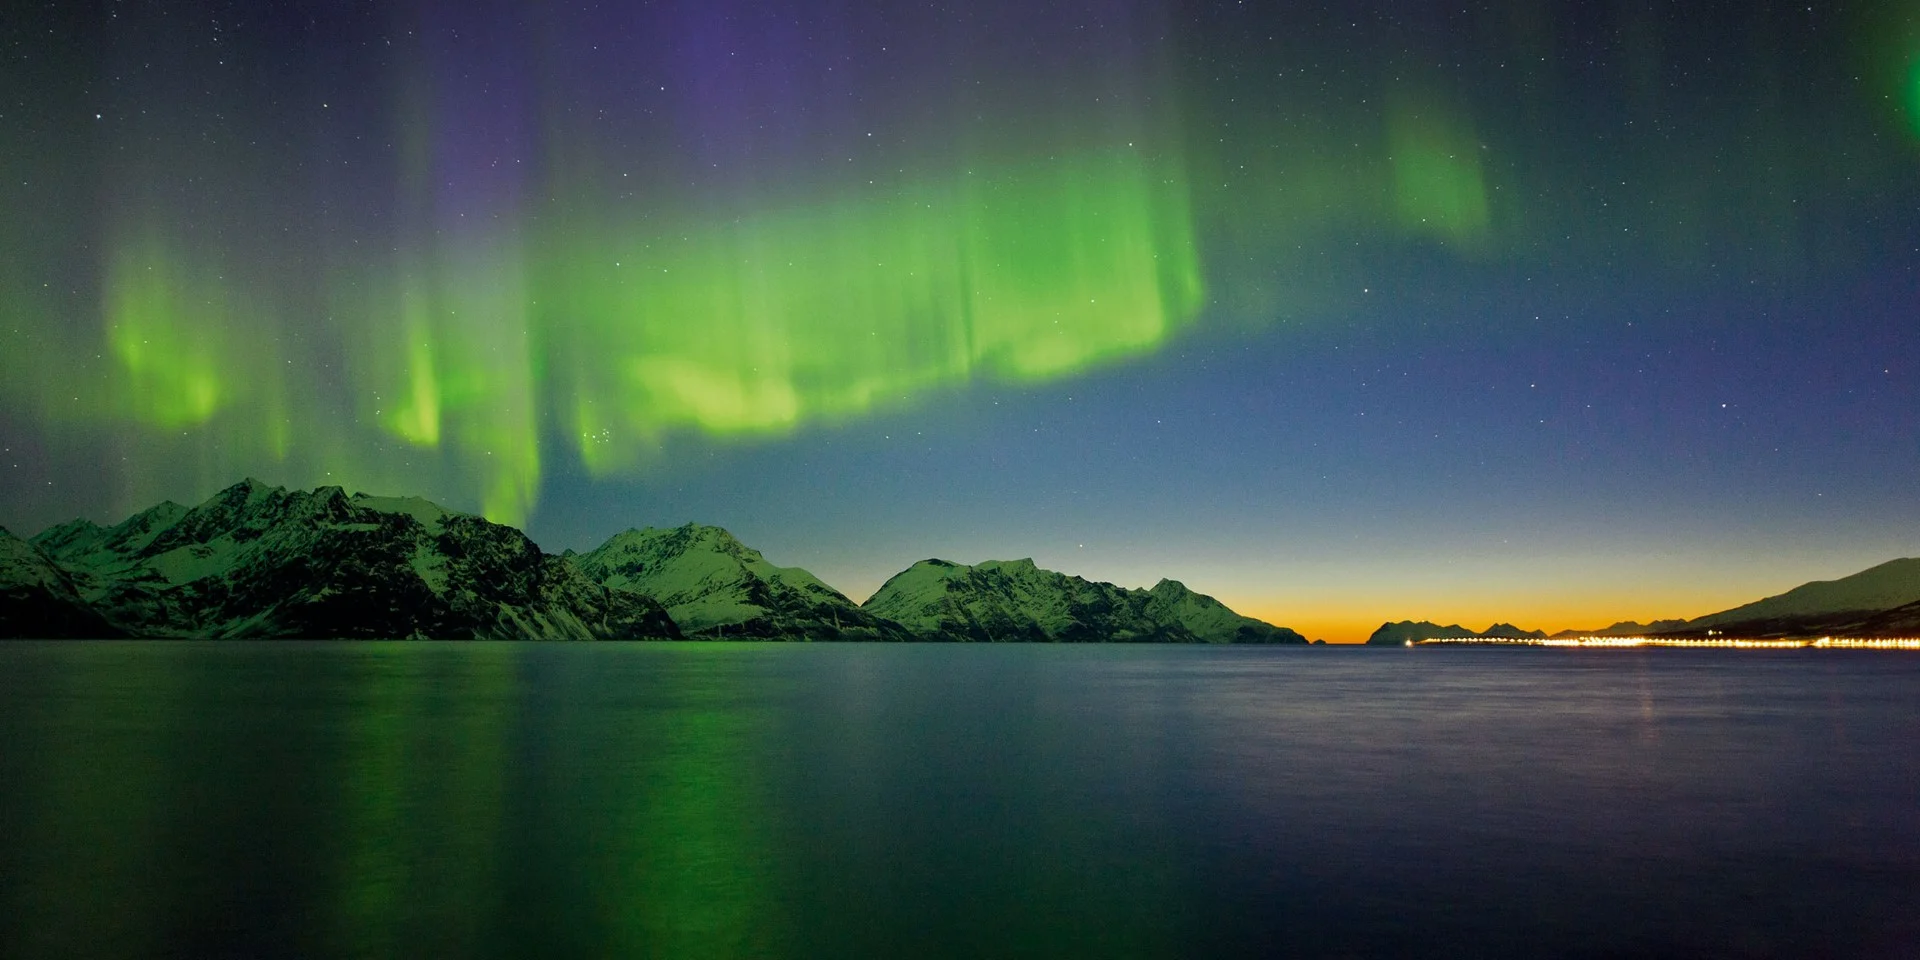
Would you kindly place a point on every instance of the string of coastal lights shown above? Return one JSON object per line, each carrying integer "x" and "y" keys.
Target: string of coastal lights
{"x": 1823, "y": 643}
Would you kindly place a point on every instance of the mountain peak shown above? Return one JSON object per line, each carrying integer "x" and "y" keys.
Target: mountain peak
{"x": 714, "y": 586}
{"x": 710, "y": 533}
{"x": 431, "y": 515}
{"x": 57, "y": 537}
{"x": 675, "y": 541}
{"x": 248, "y": 489}
{"x": 1511, "y": 632}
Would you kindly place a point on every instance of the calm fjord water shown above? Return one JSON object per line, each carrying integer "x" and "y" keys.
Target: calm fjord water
{"x": 666, "y": 800}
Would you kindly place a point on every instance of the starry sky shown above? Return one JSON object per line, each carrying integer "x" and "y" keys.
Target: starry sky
{"x": 1556, "y": 313}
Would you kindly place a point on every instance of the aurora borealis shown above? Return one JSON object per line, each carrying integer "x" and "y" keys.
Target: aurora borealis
{"x": 1548, "y": 312}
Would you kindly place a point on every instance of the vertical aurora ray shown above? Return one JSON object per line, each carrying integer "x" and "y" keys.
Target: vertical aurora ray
{"x": 1439, "y": 188}
{"x": 469, "y": 385}
{"x": 444, "y": 354}
{"x": 165, "y": 331}
{"x": 1913, "y": 95}
{"x": 415, "y": 412}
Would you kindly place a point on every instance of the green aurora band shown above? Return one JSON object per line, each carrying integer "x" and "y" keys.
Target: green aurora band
{"x": 625, "y": 339}
{"x": 831, "y": 311}
{"x": 416, "y": 321}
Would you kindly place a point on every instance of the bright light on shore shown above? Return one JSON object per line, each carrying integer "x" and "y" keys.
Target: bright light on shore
{"x": 1828, "y": 643}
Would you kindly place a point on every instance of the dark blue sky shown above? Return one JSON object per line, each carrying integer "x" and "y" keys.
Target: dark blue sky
{"x": 1551, "y": 312}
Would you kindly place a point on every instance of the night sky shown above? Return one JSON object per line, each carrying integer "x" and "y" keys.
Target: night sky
{"x": 1558, "y": 313}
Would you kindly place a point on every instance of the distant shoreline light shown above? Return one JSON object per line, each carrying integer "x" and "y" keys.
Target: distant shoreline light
{"x": 1825, "y": 643}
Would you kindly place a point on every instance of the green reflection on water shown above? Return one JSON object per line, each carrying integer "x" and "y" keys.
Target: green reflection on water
{"x": 699, "y": 800}
{"x": 423, "y": 797}
{"x": 636, "y": 825}
{"x": 690, "y": 870}
{"x": 97, "y": 804}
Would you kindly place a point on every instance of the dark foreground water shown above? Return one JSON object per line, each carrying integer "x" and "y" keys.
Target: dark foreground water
{"x": 319, "y": 800}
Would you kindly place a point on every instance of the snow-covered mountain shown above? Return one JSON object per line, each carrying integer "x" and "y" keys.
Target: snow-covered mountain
{"x": 38, "y": 599}
{"x": 260, "y": 561}
{"x": 1209, "y": 620}
{"x": 1409, "y": 631}
{"x": 714, "y": 586}
{"x": 1013, "y": 600}
{"x": 257, "y": 561}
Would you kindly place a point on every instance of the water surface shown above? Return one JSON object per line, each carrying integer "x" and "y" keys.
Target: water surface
{"x": 718, "y": 800}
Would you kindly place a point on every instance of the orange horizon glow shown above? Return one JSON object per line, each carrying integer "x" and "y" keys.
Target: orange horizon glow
{"x": 1338, "y": 626}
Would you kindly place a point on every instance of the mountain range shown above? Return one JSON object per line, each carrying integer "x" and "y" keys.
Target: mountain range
{"x": 256, "y": 561}
{"x": 1624, "y": 628}
{"x": 259, "y": 561}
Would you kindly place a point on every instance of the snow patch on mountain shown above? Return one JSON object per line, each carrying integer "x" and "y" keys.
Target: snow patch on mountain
{"x": 1209, "y": 619}
{"x": 714, "y": 586}
{"x": 1014, "y": 600}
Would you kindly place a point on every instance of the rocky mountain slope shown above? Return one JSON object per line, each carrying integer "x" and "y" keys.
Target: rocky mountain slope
{"x": 714, "y": 586}
{"x": 38, "y": 599}
{"x": 260, "y": 561}
{"x": 1013, "y": 600}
